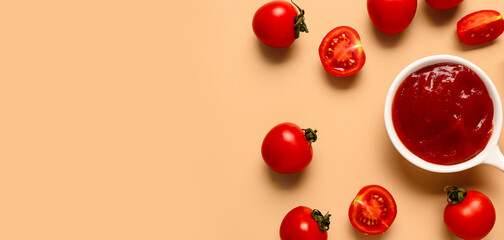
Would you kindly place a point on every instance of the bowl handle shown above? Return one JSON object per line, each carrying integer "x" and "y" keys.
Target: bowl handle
{"x": 495, "y": 158}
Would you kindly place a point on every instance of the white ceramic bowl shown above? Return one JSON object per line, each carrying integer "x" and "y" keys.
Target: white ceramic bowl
{"x": 491, "y": 154}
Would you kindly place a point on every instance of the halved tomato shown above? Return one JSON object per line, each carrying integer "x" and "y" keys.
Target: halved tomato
{"x": 341, "y": 52}
{"x": 480, "y": 27}
{"x": 373, "y": 210}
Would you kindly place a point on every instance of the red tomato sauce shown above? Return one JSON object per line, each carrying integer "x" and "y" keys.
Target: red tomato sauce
{"x": 443, "y": 113}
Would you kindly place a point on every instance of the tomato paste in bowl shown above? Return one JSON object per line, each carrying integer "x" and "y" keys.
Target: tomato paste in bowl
{"x": 443, "y": 113}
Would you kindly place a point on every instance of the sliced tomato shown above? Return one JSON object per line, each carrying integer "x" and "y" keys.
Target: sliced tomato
{"x": 373, "y": 210}
{"x": 341, "y": 52}
{"x": 480, "y": 27}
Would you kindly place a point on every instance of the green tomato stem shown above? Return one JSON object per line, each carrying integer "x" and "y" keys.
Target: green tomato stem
{"x": 299, "y": 23}
{"x": 310, "y": 135}
{"x": 322, "y": 220}
{"x": 455, "y": 194}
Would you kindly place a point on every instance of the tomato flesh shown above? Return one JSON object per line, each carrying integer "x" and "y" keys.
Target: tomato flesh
{"x": 373, "y": 210}
{"x": 480, "y": 27}
{"x": 341, "y": 52}
{"x": 471, "y": 219}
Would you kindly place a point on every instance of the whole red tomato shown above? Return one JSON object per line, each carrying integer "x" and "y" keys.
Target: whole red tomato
{"x": 341, "y": 52}
{"x": 286, "y": 148}
{"x": 373, "y": 210}
{"x": 443, "y": 4}
{"x": 469, "y": 214}
{"x": 391, "y": 16}
{"x": 278, "y": 23}
{"x": 480, "y": 27}
{"x": 303, "y": 223}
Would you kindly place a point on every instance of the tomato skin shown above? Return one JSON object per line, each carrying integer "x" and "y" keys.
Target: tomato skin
{"x": 443, "y": 4}
{"x": 298, "y": 224}
{"x": 285, "y": 148}
{"x": 273, "y": 24}
{"x": 341, "y": 52}
{"x": 391, "y": 16}
{"x": 471, "y": 219}
{"x": 480, "y": 27}
{"x": 376, "y": 204}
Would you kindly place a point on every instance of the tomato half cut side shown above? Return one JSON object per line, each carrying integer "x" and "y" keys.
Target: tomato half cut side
{"x": 480, "y": 27}
{"x": 373, "y": 210}
{"x": 341, "y": 52}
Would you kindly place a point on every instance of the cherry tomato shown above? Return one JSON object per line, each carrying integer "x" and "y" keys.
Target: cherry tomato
{"x": 480, "y": 27}
{"x": 469, "y": 214}
{"x": 303, "y": 223}
{"x": 391, "y": 16}
{"x": 443, "y": 4}
{"x": 287, "y": 148}
{"x": 278, "y": 23}
{"x": 341, "y": 52}
{"x": 373, "y": 210}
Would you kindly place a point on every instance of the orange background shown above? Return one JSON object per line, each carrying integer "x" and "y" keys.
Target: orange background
{"x": 144, "y": 120}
